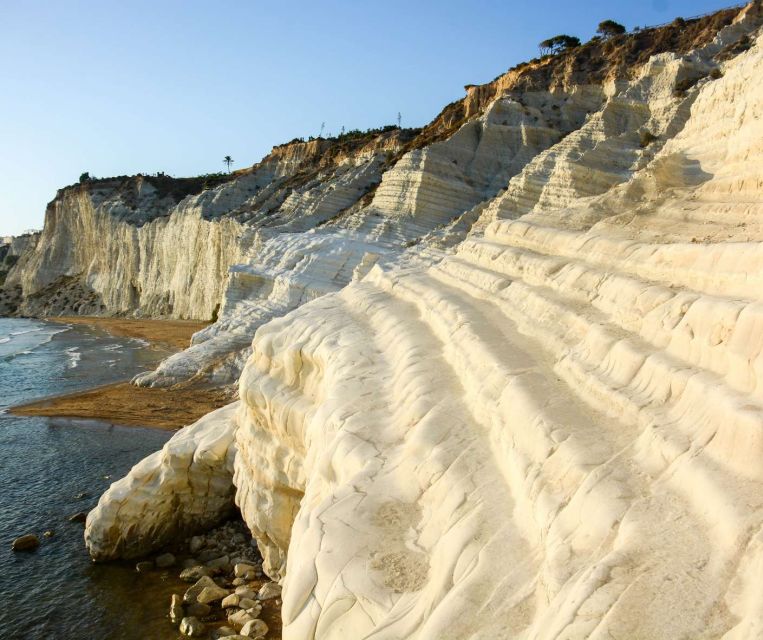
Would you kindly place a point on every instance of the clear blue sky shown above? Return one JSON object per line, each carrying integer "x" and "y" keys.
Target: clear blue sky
{"x": 120, "y": 87}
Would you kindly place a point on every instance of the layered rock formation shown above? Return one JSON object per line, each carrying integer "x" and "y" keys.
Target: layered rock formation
{"x": 536, "y": 410}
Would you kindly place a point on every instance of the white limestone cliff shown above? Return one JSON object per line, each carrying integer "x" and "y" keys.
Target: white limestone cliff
{"x": 185, "y": 486}
{"x": 540, "y": 419}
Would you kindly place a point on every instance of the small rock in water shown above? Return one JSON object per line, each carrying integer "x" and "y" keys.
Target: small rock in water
{"x": 269, "y": 590}
{"x": 80, "y": 516}
{"x": 198, "y": 610}
{"x": 211, "y": 594}
{"x": 28, "y": 542}
{"x": 192, "y": 627}
{"x": 144, "y": 566}
{"x": 176, "y": 609}
{"x": 81, "y": 496}
{"x": 254, "y": 628}
{"x": 193, "y": 592}
{"x": 165, "y": 560}
{"x": 49, "y": 533}
{"x": 192, "y": 574}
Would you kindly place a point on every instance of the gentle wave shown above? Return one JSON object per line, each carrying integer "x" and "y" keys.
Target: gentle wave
{"x": 21, "y": 333}
{"x": 23, "y": 346}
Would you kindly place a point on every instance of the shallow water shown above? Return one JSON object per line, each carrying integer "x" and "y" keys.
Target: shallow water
{"x": 56, "y": 592}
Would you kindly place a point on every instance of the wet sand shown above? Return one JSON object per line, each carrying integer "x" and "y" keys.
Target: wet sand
{"x": 173, "y": 333}
{"x": 125, "y": 404}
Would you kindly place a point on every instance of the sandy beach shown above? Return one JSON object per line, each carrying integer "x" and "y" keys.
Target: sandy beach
{"x": 123, "y": 403}
{"x": 174, "y": 333}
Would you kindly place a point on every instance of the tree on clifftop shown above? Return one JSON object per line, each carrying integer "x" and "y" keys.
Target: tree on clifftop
{"x": 85, "y": 177}
{"x": 558, "y": 44}
{"x": 610, "y": 28}
{"x": 227, "y": 160}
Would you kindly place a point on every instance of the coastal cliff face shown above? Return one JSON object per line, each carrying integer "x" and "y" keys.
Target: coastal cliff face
{"x": 536, "y": 410}
{"x": 12, "y": 250}
{"x": 313, "y": 216}
{"x": 161, "y": 247}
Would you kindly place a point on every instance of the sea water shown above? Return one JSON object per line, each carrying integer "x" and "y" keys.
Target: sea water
{"x": 46, "y": 465}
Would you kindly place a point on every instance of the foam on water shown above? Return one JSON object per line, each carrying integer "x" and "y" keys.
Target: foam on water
{"x": 74, "y": 357}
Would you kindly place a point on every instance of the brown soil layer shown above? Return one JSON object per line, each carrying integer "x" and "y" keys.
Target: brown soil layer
{"x": 174, "y": 333}
{"x": 124, "y": 403}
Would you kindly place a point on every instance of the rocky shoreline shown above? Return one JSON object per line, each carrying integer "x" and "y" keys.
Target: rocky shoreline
{"x": 229, "y": 595}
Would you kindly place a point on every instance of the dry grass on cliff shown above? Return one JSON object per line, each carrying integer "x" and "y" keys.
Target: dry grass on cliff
{"x": 590, "y": 63}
